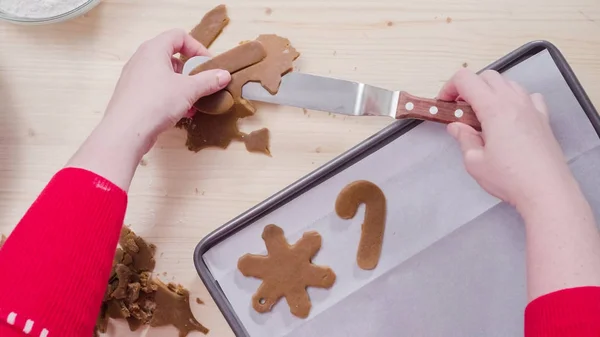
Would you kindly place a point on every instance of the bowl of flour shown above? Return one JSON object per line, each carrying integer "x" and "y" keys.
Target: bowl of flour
{"x": 43, "y": 11}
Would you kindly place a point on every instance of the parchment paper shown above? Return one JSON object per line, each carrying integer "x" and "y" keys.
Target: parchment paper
{"x": 453, "y": 256}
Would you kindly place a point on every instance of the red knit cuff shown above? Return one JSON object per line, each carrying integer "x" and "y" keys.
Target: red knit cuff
{"x": 568, "y": 312}
{"x": 58, "y": 258}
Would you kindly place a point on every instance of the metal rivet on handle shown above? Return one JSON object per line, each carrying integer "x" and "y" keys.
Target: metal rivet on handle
{"x": 458, "y": 113}
{"x": 409, "y": 106}
{"x": 433, "y": 110}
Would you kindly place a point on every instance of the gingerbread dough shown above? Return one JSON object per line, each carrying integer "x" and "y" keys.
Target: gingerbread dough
{"x": 141, "y": 252}
{"x": 286, "y": 271}
{"x": 209, "y": 28}
{"x": 232, "y": 60}
{"x": 218, "y": 130}
{"x": 173, "y": 308}
{"x": 371, "y": 240}
{"x": 133, "y": 295}
{"x": 215, "y": 124}
{"x": 204, "y": 130}
{"x": 235, "y": 59}
{"x": 257, "y": 141}
{"x": 278, "y": 62}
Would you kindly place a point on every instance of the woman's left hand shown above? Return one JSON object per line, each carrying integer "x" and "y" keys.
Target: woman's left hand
{"x": 152, "y": 94}
{"x": 150, "y": 97}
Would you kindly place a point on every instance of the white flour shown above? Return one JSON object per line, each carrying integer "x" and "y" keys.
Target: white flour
{"x": 36, "y": 9}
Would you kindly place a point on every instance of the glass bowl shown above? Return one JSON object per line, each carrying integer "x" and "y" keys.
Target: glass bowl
{"x": 78, "y": 11}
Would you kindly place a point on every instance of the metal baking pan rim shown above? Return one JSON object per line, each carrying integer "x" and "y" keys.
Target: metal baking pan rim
{"x": 363, "y": 149}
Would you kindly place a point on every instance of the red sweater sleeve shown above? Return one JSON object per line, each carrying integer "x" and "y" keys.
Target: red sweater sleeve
{"x": 568, "y": 312}
{"x": 55, "y": 265}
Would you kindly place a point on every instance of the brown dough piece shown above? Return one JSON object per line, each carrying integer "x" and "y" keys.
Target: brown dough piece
{"x": 2, "y": 240}
{"x": 209, "y": 28}
{"x": 173, "y": 308}
{"x": 221, "y": 104}
{"x": 206, "y": 130}
{"x": 123, "y": 274}
{"x": 278, "y": 62}
{"x": 232, "y": 60}
{"x": 258, "y": 141}
{"x": 286, "y": 271}
{"x": 131, "y": 292}
{"x": 141, "y": 252}
{"x": 371, "y": 240}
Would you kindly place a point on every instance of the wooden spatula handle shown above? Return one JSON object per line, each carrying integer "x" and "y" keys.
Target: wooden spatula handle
{"x": 434, "y": 110}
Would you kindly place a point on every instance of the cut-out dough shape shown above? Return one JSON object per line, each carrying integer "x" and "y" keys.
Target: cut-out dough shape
{"x": 278, "y": 62}
{"x": 286, "y": 271}
{"x": 233, "y": 61}
{"x": 371, "y": 240}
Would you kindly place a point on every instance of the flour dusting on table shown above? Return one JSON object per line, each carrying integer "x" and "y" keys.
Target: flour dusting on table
{"x": 36, "y": 9}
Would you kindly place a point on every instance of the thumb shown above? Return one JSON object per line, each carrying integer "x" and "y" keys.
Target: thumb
{"x": 206, "y": 83}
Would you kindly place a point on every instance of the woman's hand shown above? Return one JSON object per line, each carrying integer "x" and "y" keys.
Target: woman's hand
{"x": 516, "y": 156}
{"x": 152, "y": 95}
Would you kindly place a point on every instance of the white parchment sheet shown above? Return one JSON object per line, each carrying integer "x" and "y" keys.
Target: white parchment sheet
{"x": 452, "y": 261}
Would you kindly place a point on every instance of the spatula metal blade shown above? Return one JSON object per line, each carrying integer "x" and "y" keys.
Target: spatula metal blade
{"x": 320, "y": 93}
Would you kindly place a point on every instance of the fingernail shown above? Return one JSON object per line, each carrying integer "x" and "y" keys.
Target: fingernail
{"x": 223, "y": 78}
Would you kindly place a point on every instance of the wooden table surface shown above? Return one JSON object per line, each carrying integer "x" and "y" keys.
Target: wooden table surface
{"x": 55, "y": 82}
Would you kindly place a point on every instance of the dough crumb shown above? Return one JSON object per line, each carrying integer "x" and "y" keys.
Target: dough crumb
{"x": 389, "y": 23}
{"x": 448, "y": 20}
{"x": 143, "y": 162}
{"x": 465, "y": 65}
{"x": 199, "y": 301}
{"x": 268, "y": 11}
{"x": 2, "y": 240}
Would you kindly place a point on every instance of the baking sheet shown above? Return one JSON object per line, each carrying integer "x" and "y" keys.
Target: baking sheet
{"x": 452, "y": 261}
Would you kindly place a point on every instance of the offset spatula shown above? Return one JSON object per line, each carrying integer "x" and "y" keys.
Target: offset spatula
{"x": 352, "y": 98}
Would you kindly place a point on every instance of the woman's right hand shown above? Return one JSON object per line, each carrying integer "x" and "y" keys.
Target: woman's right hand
{"x": 516, "y": 156}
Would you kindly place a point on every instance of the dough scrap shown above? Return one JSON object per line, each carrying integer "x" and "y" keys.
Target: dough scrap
{"x": 371, "y": 240}
{"x": 141, "y": 252}
{"x": 209, "y": 28}
{"x": 286, "y": 271}
{"x": 132, "y": 294}
{"x": 257, "y": 141}
{"x": 2, "y": 240}
{"x": 173, "y": 308}
{"x": 204, "y": 130}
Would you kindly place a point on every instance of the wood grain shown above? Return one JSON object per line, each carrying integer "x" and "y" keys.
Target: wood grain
{"x": 55, "y": 82}
{"x": 435, "y": 110}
